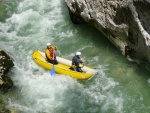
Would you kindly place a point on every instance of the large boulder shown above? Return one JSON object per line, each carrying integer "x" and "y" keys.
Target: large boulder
{"x": 124, "y": 22}
{"x": 5, "y": 64}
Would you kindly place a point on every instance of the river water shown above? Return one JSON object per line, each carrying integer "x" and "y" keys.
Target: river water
{"x": 120, "y": 86}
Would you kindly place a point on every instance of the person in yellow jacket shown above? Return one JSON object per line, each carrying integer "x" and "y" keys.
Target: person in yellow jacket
{"x": 50, "y": 53}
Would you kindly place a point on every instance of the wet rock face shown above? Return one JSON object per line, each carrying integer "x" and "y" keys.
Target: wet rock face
{"x": 5, "y": 64}
{"x": 143, "y": 10}
{"x": 5, "y": 83}
{"x": 124, "y": 22}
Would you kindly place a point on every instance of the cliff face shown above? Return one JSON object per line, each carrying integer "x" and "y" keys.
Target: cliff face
{"x": 126, "y": 23}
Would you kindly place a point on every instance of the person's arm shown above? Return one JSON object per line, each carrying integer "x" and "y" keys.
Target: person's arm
{"x": 81, "y": 62}
{"x": 54, "y": 47}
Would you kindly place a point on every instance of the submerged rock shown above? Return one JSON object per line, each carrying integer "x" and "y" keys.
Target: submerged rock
{"x": 124, "y": 22}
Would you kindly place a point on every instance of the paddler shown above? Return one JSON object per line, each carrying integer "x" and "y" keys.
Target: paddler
{"x": 76, "y": 62}
{"x": 50, "y": 53}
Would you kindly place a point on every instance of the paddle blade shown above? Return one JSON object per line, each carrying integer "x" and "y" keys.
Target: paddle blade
{"x": 52, "y": 71}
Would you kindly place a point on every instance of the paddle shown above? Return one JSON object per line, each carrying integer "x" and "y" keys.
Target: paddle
{"x": 52, "y": 71}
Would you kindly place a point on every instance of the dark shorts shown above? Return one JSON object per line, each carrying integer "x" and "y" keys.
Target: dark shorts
{"x": 53, "y": 61}
{"x": 76, "y": 69}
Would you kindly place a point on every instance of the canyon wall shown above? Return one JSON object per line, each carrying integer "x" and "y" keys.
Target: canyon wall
{"x": 126, "y": 23}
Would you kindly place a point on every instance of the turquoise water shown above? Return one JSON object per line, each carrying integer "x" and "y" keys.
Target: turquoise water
{"x": 121, "y": 86}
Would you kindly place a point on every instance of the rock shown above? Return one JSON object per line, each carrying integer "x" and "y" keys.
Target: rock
{"x": 124, "y": 22}
{"x": 5, "y": 83}
{"x": 3, "y": 109}
{"x": 5, "y": 64}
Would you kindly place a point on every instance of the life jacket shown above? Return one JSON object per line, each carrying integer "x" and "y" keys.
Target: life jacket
{"x": 76, "y": 60}
{"x": 51, "y": 53}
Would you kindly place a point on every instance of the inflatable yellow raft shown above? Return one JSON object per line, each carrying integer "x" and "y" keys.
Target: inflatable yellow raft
{"x": 63, "y": 66}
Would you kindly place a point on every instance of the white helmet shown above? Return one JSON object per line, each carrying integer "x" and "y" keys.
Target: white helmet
{"x": 78, "y": 53}
{"x": 48, "y": 44}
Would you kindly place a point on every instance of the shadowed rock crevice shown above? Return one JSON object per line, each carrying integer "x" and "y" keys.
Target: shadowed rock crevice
{"x": 74, "y": 14}
{"x": 124, "y": 16}
{"x": 143, "y": 10}
{"x": 121, "y": 16}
